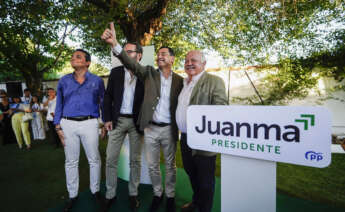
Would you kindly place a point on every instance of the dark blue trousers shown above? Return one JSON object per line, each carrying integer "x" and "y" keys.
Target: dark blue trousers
{"x": 201, "y": 172}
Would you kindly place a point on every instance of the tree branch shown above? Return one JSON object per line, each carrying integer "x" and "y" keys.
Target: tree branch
{"x": 61, "y": 48}
{"x": 155, "y": 12}
{"x": 101, "y": 4}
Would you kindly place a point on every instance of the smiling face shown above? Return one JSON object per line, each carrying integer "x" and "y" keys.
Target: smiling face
{"x": 164, "y": 59}
{"x": 78, "y": 60}
{"x": 194, "y": 63}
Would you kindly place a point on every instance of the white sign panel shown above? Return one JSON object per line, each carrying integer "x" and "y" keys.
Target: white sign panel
{"x": 297, "y": 135}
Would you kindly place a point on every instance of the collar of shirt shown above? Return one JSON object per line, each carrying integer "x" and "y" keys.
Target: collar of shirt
{"x": 194, "y": 80}
{"x": 130, "y": 77}
{"x": 87, "y": 74}
{"x": 162, "y": 76}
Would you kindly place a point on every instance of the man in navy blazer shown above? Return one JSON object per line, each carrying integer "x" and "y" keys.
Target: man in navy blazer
{"x": 122, "y": 102}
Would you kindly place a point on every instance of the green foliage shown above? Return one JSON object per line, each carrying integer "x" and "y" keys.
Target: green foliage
{"x": 94, "y": 68}
{"x": 32, "y": 39}
{"x": 294, "y": 35}
{"x": 286, "y": 82}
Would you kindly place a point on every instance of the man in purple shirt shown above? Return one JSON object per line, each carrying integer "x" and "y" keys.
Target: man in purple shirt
{"x": 79, "y": 100}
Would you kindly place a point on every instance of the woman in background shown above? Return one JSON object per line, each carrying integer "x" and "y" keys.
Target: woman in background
{"x": 20, "y": 128}
{"x": 6, "y": 132}
{"x": 37, "y": 125}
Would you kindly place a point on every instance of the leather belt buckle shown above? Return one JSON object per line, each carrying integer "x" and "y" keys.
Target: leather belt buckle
{"x": 159, "y": 124}
{"x": 126, "y": 115}
{"x": 80, "y": 118}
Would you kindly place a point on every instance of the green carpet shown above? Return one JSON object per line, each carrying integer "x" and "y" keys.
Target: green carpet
{"x": 183, "y": 195}
{"x": 285, "y": 203}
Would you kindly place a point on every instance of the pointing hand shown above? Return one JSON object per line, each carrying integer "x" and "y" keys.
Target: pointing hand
{"x": 109, "y": 35}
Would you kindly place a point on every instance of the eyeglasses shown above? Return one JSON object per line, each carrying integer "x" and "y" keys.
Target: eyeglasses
{"x": 131, "y": 51}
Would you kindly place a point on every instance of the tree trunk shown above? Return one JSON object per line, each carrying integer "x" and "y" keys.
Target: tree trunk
{"x": 141, "y": 33}
{"x": 34, "y": 81}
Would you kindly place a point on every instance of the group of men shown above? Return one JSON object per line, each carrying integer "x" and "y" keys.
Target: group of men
{"x": 148, "y": 104}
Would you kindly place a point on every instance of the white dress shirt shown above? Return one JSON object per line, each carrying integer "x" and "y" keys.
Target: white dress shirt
{"x": 128, "y": 93}
{"x": 162, "y": 111}
{"x": 51, "y": 109}
{"x": 183, "y": 102}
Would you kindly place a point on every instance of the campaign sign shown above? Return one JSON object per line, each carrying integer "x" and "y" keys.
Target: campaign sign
{"x": 296, "y": 135}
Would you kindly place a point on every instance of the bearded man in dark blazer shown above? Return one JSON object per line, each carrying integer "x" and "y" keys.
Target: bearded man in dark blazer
{"x": 122, "y": 102}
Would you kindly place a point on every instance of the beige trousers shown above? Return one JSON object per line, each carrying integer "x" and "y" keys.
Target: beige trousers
{"x": 155, "y": 139}
{"x": 116, "y": 139}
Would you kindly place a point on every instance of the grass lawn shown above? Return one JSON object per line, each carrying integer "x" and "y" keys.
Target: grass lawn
{"x": 35, "y": 180}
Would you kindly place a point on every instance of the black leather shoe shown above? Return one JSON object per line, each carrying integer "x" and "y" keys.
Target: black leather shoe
{"x": 108, "y": 203}
{"x": 189, "y": 207}
{"x": 69, "y": 204}
{"x": 134, "y": 203}
{"x": 97, "y": 196}
{"x": 171, "y": 206}
{"x": 156, "y": 201}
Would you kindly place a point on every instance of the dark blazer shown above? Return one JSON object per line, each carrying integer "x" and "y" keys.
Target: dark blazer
{"x": 114, "y": 94}
{"x": 152, "y": 82}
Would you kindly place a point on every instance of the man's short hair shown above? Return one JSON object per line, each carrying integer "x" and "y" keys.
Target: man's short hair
{"x": 138, "y": 47}
{"x": 87, "y": 55}
{"x": 50, "y": 89}
{"x": 26, "y": 89}
{"x": 171, "y": 51}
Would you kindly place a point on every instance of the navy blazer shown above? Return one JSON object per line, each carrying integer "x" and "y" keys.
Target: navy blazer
{"x": 114, "y": 94}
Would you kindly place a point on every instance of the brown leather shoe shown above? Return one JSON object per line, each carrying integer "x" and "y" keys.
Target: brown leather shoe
{"x": 189, "y": 207}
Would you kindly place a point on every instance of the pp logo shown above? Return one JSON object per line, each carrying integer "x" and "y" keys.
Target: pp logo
{"x": 313, "y": 156}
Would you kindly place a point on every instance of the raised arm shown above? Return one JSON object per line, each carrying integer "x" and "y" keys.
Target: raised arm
{"x": 109, "y": 36}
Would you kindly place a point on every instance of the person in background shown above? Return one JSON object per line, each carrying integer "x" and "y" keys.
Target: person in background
{"x": 37, "y": 126}
{"x": 26, "y": 99}
{"x": 49, "y": 106}
{"x": 7, "y": 131}
{"x": 20, "y": 128}
{"x": 2, "y": 94}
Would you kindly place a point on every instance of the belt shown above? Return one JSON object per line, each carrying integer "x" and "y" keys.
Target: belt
{"x": 79, "y": 118}
{"x": 159, "y": 124}
{"x": 126, "y": 115}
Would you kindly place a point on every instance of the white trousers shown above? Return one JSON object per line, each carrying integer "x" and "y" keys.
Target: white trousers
{"x": 85, "y": 132}
{"x": 38, "y": 131}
